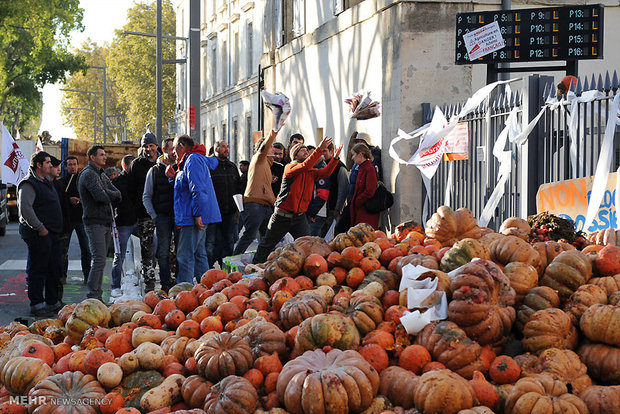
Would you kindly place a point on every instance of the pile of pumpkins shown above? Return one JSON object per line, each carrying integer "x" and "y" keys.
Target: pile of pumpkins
{"x": 531, "y": 328}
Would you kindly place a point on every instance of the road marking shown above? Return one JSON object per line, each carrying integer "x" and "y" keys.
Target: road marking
{"x": 74, "y": 265}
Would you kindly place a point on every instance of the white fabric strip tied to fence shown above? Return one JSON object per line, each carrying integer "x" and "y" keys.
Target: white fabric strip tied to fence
{"x": 573, "y": 122}
{"x": 432, "y": 144}
{"x": 603, "y": 166}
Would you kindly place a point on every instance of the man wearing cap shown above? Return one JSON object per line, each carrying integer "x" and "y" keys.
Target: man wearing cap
{"x": 54, "y": 176}
{"x": 295, "y": 195}
{"x": 146, "y": 225}
{"x": 40, "y": 223}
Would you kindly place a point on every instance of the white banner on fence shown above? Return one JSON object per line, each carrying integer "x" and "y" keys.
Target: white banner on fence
{"x": 603, "y": 166}
{"x": 573, "y": 122}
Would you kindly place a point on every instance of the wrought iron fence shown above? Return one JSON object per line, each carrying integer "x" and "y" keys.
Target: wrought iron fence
{"x": 547, "y": 158}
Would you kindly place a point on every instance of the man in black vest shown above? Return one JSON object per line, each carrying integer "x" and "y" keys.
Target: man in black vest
{"x": 74, "y": 207}
{"x": 158, "y": 199}
{"x": 40, "y": 223}
{"x": 146, "y": 225}
{"x": 220, "y": 238}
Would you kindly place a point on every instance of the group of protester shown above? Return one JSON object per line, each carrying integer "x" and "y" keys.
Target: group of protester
{"x": 184, "y": 200}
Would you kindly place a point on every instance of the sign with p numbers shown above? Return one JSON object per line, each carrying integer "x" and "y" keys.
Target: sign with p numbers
{"x": 541, "y": 34}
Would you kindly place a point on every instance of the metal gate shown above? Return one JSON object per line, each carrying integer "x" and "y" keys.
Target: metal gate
{"x": 544, "y": 158}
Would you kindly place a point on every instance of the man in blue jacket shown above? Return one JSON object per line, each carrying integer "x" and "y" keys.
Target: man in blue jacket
{"x": 195, "y": 206}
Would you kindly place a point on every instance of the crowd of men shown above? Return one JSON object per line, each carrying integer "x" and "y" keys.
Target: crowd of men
{"x": 179, "y": 199}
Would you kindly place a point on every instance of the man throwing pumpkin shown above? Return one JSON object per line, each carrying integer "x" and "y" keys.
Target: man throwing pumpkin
{"x": 295, "y": 195}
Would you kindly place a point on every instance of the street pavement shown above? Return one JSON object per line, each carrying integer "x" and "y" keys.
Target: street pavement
{"x": 13, "y": 292}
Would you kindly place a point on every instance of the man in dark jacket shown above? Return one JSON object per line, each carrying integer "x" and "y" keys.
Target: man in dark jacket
{"x": 146, "y": 225}
{"x": 74, "y": 207}
{"x": 220, "y": 236}
{"x": 158, "y": 199}
{"x": 97, "y": 194}
{"x": 292, "y": 202}
{"x": 40, "y": 223}
{"x": 125, "y": 219}
{"x": 54, "y": 176}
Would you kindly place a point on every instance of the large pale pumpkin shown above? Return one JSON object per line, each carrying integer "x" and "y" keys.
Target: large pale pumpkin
{"x": 549, "y": 328}
{"x": 417, "y": 259}
{"x": 601, "y": 323}
{"x": 542, "y": 394}
{"x": 482, "y": 302}
{"x": 605, "y": 237}
{"x": 448, "y": 344}
{"x": 123, "y": 311}
{"x": 603, "y": 362}
{"x": 443, "y": 391}
{"x": 610, "y": 284}
{"x": 608, "y": 261}
{"x": 336, "y": 382}
{"x": 462, "y": 252}
{"x": 70, "y": 386}
{"x": 568, "y": 271}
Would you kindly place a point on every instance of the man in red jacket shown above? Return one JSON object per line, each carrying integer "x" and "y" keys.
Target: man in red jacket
{"x": 295, "y": 195}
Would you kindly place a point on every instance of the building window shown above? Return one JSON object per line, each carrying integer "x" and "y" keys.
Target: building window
{"x": 224, "y": 65}
{"x": 235, "y": 75}
{"x": 299, "y": 17}
{"x": 250, "y": 50}
{"x": 204, "y": 75}
{"x": 204, "y": 135}
{"x": 341, "y": 5}
{"x": 224, "y": 133}
{"x": 235, "y": 137}
{"x": 214, "y": 69}
{"x": 212, "y": 137}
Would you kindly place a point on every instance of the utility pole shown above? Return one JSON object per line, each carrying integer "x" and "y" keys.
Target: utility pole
{"x": 194, "y": 70}
{"x": 158, "y": 74}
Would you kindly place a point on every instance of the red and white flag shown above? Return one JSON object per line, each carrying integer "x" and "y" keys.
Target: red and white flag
{"x": 14, "y": 164}
{"x": 39, "y": 146}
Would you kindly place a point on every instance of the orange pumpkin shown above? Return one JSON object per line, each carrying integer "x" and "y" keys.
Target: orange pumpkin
{"x": 237, "y": 289}
{"x": 314, "y": 265}
{"x": 355, "y": 277}
{"x": 199, "y": 313}
{"x": 433, "y": 366}
{"x": 376, "y": 356}
{"x": 112, "y": 402}
{"x": 186, "y": 301}
{"x": 608, "y": 261}
{"x": 285, "y": 283}
{"x": 174, "y": 318}
{"x": 95, "y": 358}
{"x": 278, "y": 299}
{"x": 152, "y": 321}
{"x": 258, "y": 304}
{"x": 370, "y": 264}
{"x": 267, "y": 364}
{"x": 395, "y": 312}
{"x": 41, "y": 351}
{"x": 153, "y": 297}
{"x": 414, "y": 358}
{"x": 382, "y": 338}
{"x": 486, "y": 393}
{"x": 340, "y": 273}
{"x": 119, "y": 344}
{"x": 189, "y": 328}
{"x": 211, "y": 323}
{"x": 304, "y": 282}
{"x": 164, "y": 307}
{"x": 212, "y": 276}
{"x": 61, "y": 350}
{"x": 255, "y": 377}
{"x": 389, "y": 254}
{"x": 504, "y": 370}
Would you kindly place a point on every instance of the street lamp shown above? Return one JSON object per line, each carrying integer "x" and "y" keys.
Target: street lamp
{"x": 93, "y": 110}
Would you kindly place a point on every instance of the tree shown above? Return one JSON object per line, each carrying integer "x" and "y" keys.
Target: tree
{"x": 34, "y": 38}
{"x": 91, "y": 80}
{"x": 131, "y": 65}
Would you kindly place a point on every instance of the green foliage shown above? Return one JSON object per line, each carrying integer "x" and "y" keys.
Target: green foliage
{"x": 91, "y": 80}
{"x": 132, "y": 65}
{"x": 34, "y": 38}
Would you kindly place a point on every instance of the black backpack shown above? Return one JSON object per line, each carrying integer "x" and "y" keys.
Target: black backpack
{"x": 382, "y": 200}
